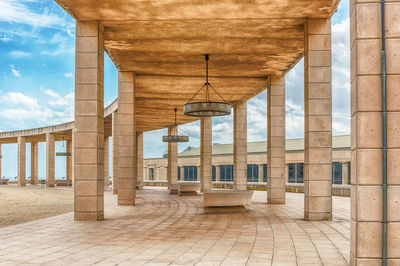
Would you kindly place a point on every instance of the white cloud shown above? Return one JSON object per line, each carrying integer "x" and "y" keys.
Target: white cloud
{"x": 19, "y": 54}
{"x": 68, "y": 75}
{"x": 19, "y": 99}
{"x": 13, "y": 11}
{"x": 15, "y": 72}
{"x": 57, "y": 99}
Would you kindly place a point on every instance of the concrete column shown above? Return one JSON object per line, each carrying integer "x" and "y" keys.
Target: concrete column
{"x": 318, "y": 120}
{"x": 69, "y": 161}
{"x": 172, "y": 174}
{"x": 115, "y": 152}
{"x": 21, "y": 161}
{"x": 206, "y": 153}
{"x": 260, "y": 172}
{"x": 240, "y": 145}
{"x": 217, "y": 173}
{"x": 276, "y": 141}
{"x": 366, "y": 132}
{"x": 139, "y": 169}
{"x": 106, "y": 162}
{"x": 89, "y": 122}
{"x": 50, "y": 160}
{"x": 345, "y": 173}
{"x": 126, "y": 139}
{"x": 34, "y": 163}
{"x": 182, "y": 173}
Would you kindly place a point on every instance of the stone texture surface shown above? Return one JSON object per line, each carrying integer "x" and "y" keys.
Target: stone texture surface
{"x": 21, "y": 161}
{"x": 115, "y": 152}
{"x": 165, "y": 229}
{"x": 317, "y": 120}
{"x": 50, "y": 160}
{"x": 366, "y": 128}
{"x": 89, "y": 122}
{"x": 139, "y": 160}
{"x": 206, "y": 153}
{"x": 276, "y": 140}
{"x": 126, "y": 139}
{"x": 172, "y": 170}
{"x": 34, "y": 163}
{"x": 240, "y": 145}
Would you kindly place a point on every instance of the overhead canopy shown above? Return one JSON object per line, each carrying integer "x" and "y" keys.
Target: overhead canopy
{"x": 164, "y": 43}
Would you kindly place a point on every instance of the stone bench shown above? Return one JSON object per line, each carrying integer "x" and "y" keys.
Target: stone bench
{"x": 226, "y": 198}
{"x": 188, "y": 188}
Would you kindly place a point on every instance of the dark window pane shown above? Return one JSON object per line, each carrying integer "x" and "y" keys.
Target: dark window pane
{"x": 349, "y": 172}
{"x": 194, "y": 173}
{"x": 336, "y": 173}
{"x": 179, "y": 173}
{"x": 300, "y": 173}
{"x": 292, "y": 177}
{"x": 214, "y": 173}
{"x": 265, "y": 173}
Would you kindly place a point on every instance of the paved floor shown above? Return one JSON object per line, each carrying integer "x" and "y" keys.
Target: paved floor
{"x": 166, "y": 229}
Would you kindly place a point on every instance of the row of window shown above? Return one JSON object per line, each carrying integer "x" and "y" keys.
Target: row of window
{"x": 226, "y": 173}
{"x": 296, "y": 173}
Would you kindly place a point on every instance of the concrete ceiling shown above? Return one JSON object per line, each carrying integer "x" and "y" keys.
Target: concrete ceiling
{"x": 164, "y": 43}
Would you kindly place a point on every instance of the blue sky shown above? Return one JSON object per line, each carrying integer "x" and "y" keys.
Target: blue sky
{"x": 37, "y": 83}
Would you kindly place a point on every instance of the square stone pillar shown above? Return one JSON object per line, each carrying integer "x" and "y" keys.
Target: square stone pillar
{"x": 240, "y": 145}
{"x": 115, "y": 152}
{"x": 69, "y": 161}
{"x": 50, "y": 160}
{"x": 206, "y": 153}
{"x": 139, "y": 169}
{"x": 367, "y": 134}
{"x": 276, "y": 140}
{"x": 260, "y": 173}
{"x": 34, "y": 163}
{"x": 106, "y": 162}
{"x": 182, "y": 173}
{"x": 126, "y": 139}
{"x": 317, "y": 120}
{"x": 172, "y": 170}
{"x": 21, "y": 161}
{"x": 89, "y": 122}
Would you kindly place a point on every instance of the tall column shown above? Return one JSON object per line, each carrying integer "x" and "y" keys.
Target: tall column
{"x": 89, "y": 122}
{"x": 69, "y": 161}
{"x": 34, "y": 163}
{"x": 106, "y": 162}
{"x": 172, "y": 175}
{"x": 115, "y": 152}
{"x": 276, "y": 141}
{"x": 345, "y": 173}
{"x": 317, "y": 120}
{"x": 50, "y": 160}
{"x": 126, "y": 139}
{"x": 206, "y": 153}
{"x": 367, "y": 216}
{"x": 139, "y": 169}
{"x": 21, "y": 161}
{"x": 240, "y": 145}
{"x": 260, "y": 173}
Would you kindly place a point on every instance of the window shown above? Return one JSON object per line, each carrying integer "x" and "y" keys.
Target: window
{"x": 252, "y": 173}
{"x": 151, "y": 173}
{"x": 226, "y": 172}
{"x": 214, "y": 173}
{"x": 179, "y": 173}
{"x": 349, "y": 172}
{"x": 190, "y": 173}
{"x": 296, "y": 173}
{"x": 265, "y": 173}
{"x": 336, "y": 173}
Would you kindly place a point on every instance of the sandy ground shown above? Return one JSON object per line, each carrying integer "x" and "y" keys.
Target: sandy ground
{"x": 20, "y": 205}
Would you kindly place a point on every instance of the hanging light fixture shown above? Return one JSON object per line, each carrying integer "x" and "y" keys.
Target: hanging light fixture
{"x": 207, "y": 108}
{"x": 175, "y": 138}
{"x": 61, "y": 152}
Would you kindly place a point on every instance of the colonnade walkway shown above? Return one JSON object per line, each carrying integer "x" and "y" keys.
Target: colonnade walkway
{"x": 164, "y": 229}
